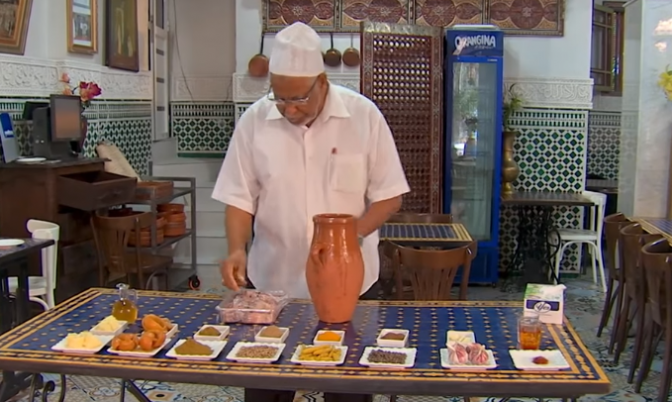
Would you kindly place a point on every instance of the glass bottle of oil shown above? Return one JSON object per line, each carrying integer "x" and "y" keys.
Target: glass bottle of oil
{"x": 126, "y": 308}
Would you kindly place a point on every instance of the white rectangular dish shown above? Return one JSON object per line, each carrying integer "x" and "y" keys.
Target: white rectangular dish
{"x": 523, "y": 360}
{"x": 319, "y": 363}
{"x": 139, "y": 352}
{"x": 263, "y": 339}
{"x": 392, "y": 343}
{"x": 236, "y": 348}
{"x": 60, "y": 346}
{"x": 122, "y": 327}
{"x": 341, "y": 334}
{"x": 460, "y": 337}
{"x": 216, "y": 346}
{"x": 222, "y": 329}
{"x": 445, "y": 362}
{"x": 173, "y": 331}
{"x": 409, "y": 362}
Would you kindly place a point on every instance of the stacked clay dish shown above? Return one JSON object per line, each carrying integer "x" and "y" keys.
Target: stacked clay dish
{"x": 176, "y": 219}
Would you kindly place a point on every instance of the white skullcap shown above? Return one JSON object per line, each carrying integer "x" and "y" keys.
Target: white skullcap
{"x": 297, "y": 52}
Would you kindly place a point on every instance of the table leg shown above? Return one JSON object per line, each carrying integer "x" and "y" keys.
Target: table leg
{"x": 40, "y": 389}
{"x": 134, "y": 390}
{"x": 5, "y": 303}
{"x": 22, "y": 291}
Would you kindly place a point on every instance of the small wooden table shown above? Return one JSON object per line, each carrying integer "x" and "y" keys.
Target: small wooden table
{"x": 28, "y": 348}
{"x": 425, "y": 234}
{"x": 661, "y": 226}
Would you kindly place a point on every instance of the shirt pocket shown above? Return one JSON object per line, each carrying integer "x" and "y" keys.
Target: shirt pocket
{"x": 348, "y": 173}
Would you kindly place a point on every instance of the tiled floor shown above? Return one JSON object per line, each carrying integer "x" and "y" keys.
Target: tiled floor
{"x": 583, "y": 307}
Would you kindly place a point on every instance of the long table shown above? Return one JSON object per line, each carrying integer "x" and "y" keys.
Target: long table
{"x": 28, "y": 348}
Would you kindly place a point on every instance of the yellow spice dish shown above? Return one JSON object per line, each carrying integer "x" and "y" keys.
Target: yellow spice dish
{"x": 83, "y": 340}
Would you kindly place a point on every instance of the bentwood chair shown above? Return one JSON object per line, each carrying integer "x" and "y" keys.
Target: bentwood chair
{"x": 614, "y": 297}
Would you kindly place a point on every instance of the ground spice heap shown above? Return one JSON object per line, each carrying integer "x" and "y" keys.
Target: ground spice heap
{"x": 271, "y": 332}
{"x": 393, "y": 336}
{"x": 328, "y": 336}
{"x": 386, "y": 357}
{"x": 257, "y": 352}
{"x": 209, "y": 331}
{"x": 190, "y": 347}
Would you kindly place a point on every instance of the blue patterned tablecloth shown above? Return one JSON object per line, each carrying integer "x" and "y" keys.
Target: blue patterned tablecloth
{"x": 427, "y": 232}
{"x": 494, "y": 324}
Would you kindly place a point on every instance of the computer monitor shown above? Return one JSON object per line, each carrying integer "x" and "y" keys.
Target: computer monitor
{"x": 29, "y": 108}
{"x": 66, "y": 118}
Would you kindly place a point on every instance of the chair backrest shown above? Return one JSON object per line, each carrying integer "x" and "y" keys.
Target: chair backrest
{"x": 612, "y": 229}
{"x": 432, "y": 272}
{"x": 632, "y": 238}
{"x": 111, "y": 235}
{"x": 657, "y": 263}
{"x": 420, "y": 218}
{"x": 599, "y": 201}
{"x": 47, "y": 231}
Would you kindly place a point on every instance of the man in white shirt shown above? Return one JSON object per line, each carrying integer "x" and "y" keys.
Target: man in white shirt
{"x": 309, "y": 147}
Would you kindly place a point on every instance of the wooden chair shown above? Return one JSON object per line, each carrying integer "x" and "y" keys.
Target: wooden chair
{"x": 631, "y": 240}
{"x": 387, "y": 278}
{"x": 612, "y": 227}
{"x": 432, "y": 272}
{"x": 116, "y": 259}
{"x": 657, "y": 262}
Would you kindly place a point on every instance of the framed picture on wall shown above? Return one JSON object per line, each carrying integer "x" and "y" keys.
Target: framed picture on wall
{"x": 82, "y": 23}
{"x": 14, "y": 19}
{"x": 121, "y": 35}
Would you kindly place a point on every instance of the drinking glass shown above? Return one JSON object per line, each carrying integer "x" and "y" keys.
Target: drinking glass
{"x": 529, "y": 333}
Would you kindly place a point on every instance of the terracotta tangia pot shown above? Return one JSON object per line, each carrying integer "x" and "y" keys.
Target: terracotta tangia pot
{"x": 335, "y": 268}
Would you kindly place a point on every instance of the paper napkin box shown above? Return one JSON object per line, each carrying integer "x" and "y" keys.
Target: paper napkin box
{"x": 546, "y": 302}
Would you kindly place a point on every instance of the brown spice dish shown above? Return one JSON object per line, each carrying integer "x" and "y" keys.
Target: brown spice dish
{"x": 394, "y": 336}
{"x": 271, "y": 332}
{"x": 540, "y": 360}
{"x": 190, "y": 347}
{"x": 257, "y": 352}
{"x": 209, "y": 331}
{"x": 386, "y": 357}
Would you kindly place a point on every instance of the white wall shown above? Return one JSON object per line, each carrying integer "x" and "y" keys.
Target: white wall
{"x": 203, "y": 42}
{"x": 36, "y": 73}
{"x": 525, "y": 57}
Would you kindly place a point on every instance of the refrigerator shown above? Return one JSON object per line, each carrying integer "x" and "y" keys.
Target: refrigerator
{"x": 473, "y": 139}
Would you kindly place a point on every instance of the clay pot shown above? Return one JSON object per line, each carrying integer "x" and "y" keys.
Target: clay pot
{"x": 335, "y": 267}
{"x": 170, "y": 208}
{"x": 258, "y": 64}
{"x": 175, "y": 229}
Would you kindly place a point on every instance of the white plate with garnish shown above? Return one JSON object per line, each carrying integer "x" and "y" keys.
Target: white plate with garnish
{"x": 36, "y": 159}
{"x": 222, "y": 329}
{"x": 275, "y": 348}
{"x": 261, "y": 336}
{"x": 298, "y": 359}
{"x": 408, "y": 361}
{"x": 215, "y": 346}
{"x": 460, "y": 337}
{"x": 100, "y": 329}
{"x": 539, "y": 360}
{"x": 139, "y": 352}
{"x": 446, "y": 363}
{"x": 62, "y": 346}
{"x": 322, "y": 333}
{"x": 8, "y": 243}
{"x": 385, "y": 342}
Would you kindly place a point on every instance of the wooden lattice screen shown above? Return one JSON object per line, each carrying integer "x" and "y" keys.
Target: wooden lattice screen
{"x": 402, "y": 72}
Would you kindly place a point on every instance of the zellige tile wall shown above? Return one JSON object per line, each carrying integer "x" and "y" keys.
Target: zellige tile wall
{"x": 604, "y": 142}
{"x": 202, "y": 129}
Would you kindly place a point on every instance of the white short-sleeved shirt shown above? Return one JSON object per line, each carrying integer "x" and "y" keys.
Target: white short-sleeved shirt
{"x": 285, "y": 174}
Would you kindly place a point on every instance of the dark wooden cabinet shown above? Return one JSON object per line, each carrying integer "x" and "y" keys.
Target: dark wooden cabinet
{"x": 39, "y": 191}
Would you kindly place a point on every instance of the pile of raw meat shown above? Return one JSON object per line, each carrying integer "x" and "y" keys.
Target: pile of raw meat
{"x": 252, "y": 307}
{"x": 468, "y": 354}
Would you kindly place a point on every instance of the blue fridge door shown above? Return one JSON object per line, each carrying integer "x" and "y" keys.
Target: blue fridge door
{"x": 473, "y": 141}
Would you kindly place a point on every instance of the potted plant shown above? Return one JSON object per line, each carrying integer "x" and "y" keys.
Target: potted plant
{"x": 86, "y": 91}
{"x": 512, "y": 103}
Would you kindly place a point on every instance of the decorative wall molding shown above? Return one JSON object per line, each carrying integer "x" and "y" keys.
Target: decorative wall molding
{"x": 607, "y": 103}
{"x": 201, "y": 89}
{"x": 551, "y": 93}
{"x": 33, "y": 77}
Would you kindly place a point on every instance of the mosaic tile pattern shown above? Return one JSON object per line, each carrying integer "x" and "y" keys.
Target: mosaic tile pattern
{"x": 604, "y": 141}
{"x": 551, "y": 153}
{"x": 127, "y": 124}
{"x": 583, "y": 305}
{"x": 202, "y": 128}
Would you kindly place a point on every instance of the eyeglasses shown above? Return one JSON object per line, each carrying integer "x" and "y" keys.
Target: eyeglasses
{"x": 292, "y": 101}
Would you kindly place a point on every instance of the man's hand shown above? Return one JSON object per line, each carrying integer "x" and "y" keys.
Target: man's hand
{"x": 233, "y": 270}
